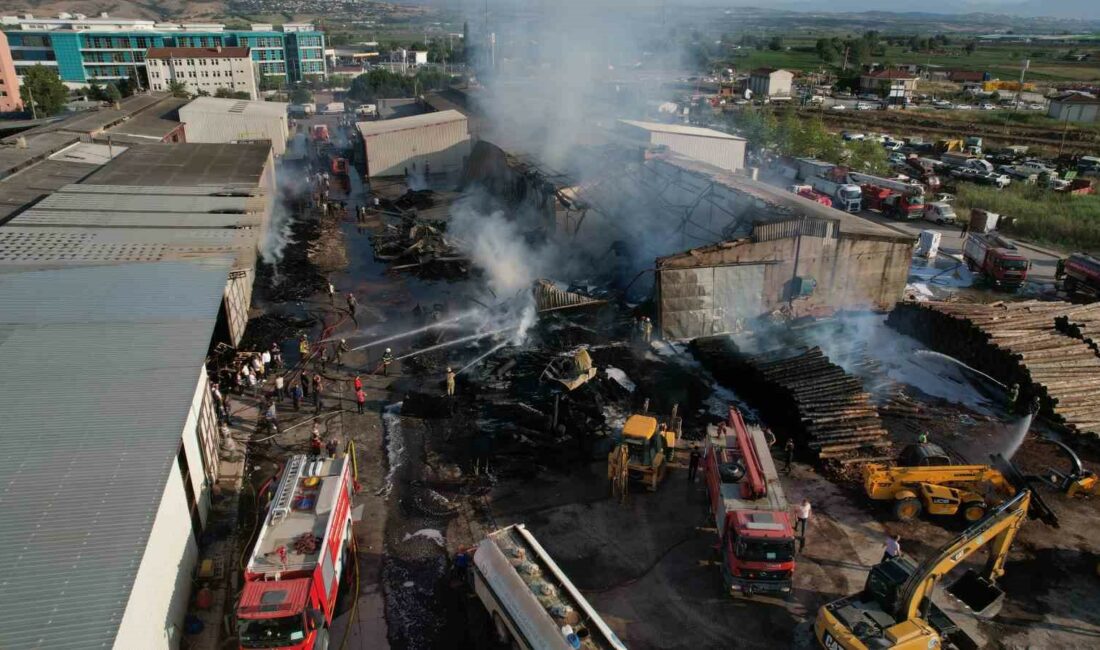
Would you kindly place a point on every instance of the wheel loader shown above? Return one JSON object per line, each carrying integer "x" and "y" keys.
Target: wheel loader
{"x": 643, "y": 454}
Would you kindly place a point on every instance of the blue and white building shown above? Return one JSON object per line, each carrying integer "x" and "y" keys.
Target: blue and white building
{"x": 108, "y": 49}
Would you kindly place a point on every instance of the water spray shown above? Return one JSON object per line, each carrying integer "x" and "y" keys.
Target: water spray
{"x": 960, "y": 363}
{"x": 482, "y": 357}
{"x": 464, "y": 339}
{"x": 420, "y": 330}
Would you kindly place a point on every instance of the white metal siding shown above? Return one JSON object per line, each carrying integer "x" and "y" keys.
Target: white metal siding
{"x": 443, "y": 146}
{"x": 223, "y": 127}
{"x": 158, "y": 600}
{"x": 720, "y": 152}
{"x": 238, "y": 296}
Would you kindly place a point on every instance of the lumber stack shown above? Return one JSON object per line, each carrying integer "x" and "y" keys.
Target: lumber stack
{"x": 807, "y": 395}
{"x": 1045, "y": 347}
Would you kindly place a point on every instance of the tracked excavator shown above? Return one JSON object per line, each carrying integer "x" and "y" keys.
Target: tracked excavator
{"x": 895, "y": 608}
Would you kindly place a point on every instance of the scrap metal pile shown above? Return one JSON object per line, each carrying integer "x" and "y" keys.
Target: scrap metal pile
{"x": 1046, "y": 348}
{"x": 806, "y": 394}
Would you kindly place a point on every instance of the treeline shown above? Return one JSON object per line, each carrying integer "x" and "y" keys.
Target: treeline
{"x": 383, "y": 84}
{"x": 792, "y": 134}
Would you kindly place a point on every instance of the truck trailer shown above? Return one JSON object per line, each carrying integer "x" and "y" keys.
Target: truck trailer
{"x": 845, "y": 196}
{"x": 1080, "y": 273}
{"x": 303, "y": 548}
{"x": 530, "y": 600}
{"x": 995, "y": 258}
{"x": 750, "y": 510}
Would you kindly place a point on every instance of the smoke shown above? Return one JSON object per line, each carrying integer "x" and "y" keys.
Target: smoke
{"x": 279, "y": 234}
{"x": 292, "y": 188}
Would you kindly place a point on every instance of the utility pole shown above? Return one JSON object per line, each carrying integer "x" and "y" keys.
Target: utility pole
{"x": 1023, "y": 71}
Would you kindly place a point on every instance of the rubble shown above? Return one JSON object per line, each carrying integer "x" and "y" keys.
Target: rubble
{"x": 1043, "y": 347}
{"x": 416, "y": 243}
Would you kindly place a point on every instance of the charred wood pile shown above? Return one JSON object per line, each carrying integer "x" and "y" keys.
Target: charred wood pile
{"x": 415, "y": 243}
{"x": 1045, "y": 348}
{"x": 806, "y": 394}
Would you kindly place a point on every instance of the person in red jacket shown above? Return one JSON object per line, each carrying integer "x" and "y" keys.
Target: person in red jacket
{"x": 360, "y": 399}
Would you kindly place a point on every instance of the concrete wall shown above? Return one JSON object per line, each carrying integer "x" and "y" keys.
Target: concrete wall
{"x": 158, "y": 599}
{"x": 852, "y": 273}
{"x": 775, "y": 84}
{"x": 445, "y": 147}
{"x": 1073, "y": 112}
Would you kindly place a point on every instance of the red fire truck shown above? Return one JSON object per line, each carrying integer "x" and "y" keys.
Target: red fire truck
{"x": 807, "y": 191}
{"x": 319, "y": 133}
{"x": 749, "y": 508}
{"x": 890, "y": 196}
{"x": 996, "y": 258}
{"x": 294, "y": 573}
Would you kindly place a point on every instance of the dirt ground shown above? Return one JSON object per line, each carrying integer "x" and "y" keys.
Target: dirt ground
{"x": 649, "y": 565}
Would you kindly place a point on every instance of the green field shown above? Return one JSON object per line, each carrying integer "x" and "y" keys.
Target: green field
{"x": 1001, "y": 61}
{"x": 1042, "y": 216}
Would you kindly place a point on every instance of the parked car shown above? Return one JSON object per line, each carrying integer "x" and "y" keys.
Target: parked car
{"x": 963, "y": 107}
{"x": 864, "y": 106}
{"x": 986, "y": 106}
{"x": 1029, "y": 167}
{"x": 942, "y": 104}
{"x": 1036, "y": 107}
{"x": 849, "y": 136}
{"x": 897, "y": 158}
{"x": 838, "y": 107}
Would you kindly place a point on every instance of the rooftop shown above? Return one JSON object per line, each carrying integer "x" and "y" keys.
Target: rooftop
{"x": 892, "y": 73}
{"x": 1076, "y": 98}
{"x": 197, "y": 53}
{"x": 219, "y": 105}
{"x": 379, "y": 127}
{"x": 187, "y": 164}
{"x": 76, "y": 515}
{"x": 680, "y": 129}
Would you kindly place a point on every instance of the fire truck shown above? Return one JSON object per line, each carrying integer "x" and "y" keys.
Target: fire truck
{"x": 808, "y": 192}
{"x": 319, "y": 133}
{"x": 301, "y": 551}
{"x": 996, "y": 258}
{"x": 749, "y": 508}
{"x": 893, "y": 198}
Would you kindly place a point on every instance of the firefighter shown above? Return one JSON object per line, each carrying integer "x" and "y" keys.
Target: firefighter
{"x": 353, "y": 304}
{"x": 923, "y": 438}
{"x": 1013, "y": 396}
{"x": 387, "y": 359}
{"x": 788, "y": 452}
{"x": 647, "y": 329}
{"x": 331, "y": 294}
{"x": 693, "y": 461}
{"x": 450, "y": 382}
{"x": 303, "y": 347}
{"x": 315, "y": 444}
{"x": 339, "y": 351}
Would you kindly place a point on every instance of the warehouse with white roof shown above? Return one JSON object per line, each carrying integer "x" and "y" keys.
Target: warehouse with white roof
{"x": 435, "y": 143}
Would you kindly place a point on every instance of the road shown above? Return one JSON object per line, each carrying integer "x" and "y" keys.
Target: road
{"x": 1043, "y": 260}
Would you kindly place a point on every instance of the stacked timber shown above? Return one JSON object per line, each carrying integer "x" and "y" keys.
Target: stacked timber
{"x": 1019, "y": 343}
{"x": 807, "y": 395}
{"x": 1083, "y": 323}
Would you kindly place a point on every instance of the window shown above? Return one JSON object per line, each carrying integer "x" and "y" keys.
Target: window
{"x": 191, "y": 62}
{"x": 189, "y": 490}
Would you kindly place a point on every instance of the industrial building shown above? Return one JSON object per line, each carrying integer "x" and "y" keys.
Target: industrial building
{"x": 896, "y": 86}
{"x": 83, "y": 48}
{"x": 109, "y": 388}
{"x": 217, "y": 120}
{"x": 205, "y": 69}
{"x": 435, "y": 143}
{"x": 771, "y": 83}
{"x": 1075, "y": 107}
{"x": 114, "y": 290}
{"x": 722, "y": 150}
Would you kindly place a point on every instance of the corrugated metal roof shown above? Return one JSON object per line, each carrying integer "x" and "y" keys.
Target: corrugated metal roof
{"x": 108, "y": 219}
{"x": 101, "y": 365}
{"x": 221, "y": 105}
{"x": 45, "y": 246}
{"x": 149, "y": 203}
{"x": 414, "y": 122}
{"x": 186, "y": 163}
{"x": 681, "y": 129}
{"x": 197, "y": 190}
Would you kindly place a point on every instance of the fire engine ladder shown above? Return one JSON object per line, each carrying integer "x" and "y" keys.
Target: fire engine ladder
{"x": 280, "y": 507}
{"x": 754, "y": 486}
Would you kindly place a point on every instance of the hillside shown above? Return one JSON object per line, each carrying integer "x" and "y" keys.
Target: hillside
{"x": 151, "y": 9}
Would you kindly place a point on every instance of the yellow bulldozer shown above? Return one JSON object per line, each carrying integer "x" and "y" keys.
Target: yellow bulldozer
{"x": 929, "y": 480}
{"x": 644, "y": 452}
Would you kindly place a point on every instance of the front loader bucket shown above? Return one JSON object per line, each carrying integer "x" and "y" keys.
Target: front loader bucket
{"x": 982, "y": 596}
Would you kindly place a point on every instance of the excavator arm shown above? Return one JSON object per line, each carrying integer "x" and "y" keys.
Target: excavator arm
{"x": 998, "y": 530}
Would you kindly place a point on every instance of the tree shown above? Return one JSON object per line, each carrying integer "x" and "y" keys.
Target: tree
{"x": 775, "y": 44}
{"x": 113, "y": 93}
{"x": 178, "y": 89}
{"x": 95, "y": 91}
{"x": 825, "y": 50}
{"x": 272, "y": 82}
{"x": 43, "y": 91}
{"x": 300, "y": 95}
{"x": 970, "y": 47}
{"x": 229, "y": 93}
{"x": 867, "y": 156}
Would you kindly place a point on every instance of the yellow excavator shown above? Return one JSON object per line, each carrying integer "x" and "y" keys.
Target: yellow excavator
{"x": 643, "y": 454}
{"x": 895, "y": 608}
{"x": 928, "y": 480}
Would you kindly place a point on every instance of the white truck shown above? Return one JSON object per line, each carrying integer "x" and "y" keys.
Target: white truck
{"x": 333, "y": 108}
{"x": 845, "y": 196}
{"x": 940, "y": 212}
{"x": 809, "y": 168}
{"x": 530, "y": 600}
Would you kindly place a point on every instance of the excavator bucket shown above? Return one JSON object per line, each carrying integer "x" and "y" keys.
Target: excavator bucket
{"x": 982, "y": 596}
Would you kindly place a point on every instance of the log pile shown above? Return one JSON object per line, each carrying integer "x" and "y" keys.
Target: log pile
{"x": 1020, "y": 343}
{"x": 807, "y": 394}
{"x": 1083, "y": 323}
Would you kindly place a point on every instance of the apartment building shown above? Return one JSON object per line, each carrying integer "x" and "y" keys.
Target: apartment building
{"x": 9, "y": 81}
{"x": 106, "y": 49}
{"x": 202, "y": 69}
